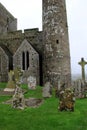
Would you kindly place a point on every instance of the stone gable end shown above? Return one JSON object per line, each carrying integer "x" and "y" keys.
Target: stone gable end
{"x": 27, "y": 59}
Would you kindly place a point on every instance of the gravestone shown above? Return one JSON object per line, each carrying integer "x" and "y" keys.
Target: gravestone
{"x": 58, "y": 89}
{"x": 18, "y": 73}
{"x": 18, "y": 100}
{"x": 11, "y": 83}
{"x": 80, "y": 88}
{"x": 47, "y": 90}
{"x": 31, "y": 82}
{"x": 18, "y": 97}
{"x": 66, "y": 100}
{"x": 83, "y": 63}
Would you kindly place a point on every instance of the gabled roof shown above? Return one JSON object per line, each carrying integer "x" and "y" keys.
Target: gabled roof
{"x": 6, "y": 50}
{"x": 25, "y": 42}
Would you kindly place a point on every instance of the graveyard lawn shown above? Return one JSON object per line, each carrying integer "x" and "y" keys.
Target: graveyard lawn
{"x": 44, "y": 117}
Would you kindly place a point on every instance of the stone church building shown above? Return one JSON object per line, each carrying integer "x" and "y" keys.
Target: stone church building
{"x": 42, "y": 54}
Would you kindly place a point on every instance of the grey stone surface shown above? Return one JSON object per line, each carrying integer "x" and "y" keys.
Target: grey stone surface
{"x": 49, "y": 54}
{"x": 33, "y": 102}
{"x": 80, "y": 88}
{"x": 56, "y": 43}
{"x": 18, "y": 100}
{"x": 82, "y": 63}
{"x": 47, "y": 90}
{"x": 18, "y": 97}
{"x": 30, "y": 102}
{"x": 31, "y": 82}
{"x": 7, "y": 20}
{"x": 11, "y": 83}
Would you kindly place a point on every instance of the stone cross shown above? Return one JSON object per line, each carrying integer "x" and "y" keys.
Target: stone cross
{"x": 83, "y": 63}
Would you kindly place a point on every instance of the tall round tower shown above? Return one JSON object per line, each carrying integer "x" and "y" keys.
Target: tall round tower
{"x": 56, "y": 64}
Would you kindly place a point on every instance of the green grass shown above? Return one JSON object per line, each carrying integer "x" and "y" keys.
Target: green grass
{"x": 45, "y": 117}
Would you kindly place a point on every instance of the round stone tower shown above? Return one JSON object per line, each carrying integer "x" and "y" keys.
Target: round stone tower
{"x": 56, "y": 60}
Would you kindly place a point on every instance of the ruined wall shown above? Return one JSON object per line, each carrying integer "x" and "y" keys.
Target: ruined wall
{"x": 33, "y": 62}
{"x": 7, "y": 21}
{"x": 4, "y": 62}
{"x": 56, "y": 45}
{"x": 51, "y": 45}
{"x": 13, "y": 41}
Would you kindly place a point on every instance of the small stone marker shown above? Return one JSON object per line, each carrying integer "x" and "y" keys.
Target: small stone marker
{"x": 83, "y": 63}
{"x": 47, "y": 90}
{"x": 31, "y": 82}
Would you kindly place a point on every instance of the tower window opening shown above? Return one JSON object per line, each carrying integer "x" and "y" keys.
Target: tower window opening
{"x": 57, "y": 41}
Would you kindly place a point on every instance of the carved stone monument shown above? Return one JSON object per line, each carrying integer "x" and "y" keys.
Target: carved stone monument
{"x": 18, "y": 73}
{"x": 83, "y": 63}
{"x": 11, "y": 83}
{"x": 18, "y": 99}
{"x": 31, "y": 82}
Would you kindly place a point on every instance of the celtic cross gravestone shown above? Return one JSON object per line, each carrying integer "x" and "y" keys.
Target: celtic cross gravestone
{"x": 83, "y": 63}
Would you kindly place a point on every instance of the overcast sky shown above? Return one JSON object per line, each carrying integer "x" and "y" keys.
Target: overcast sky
{"x": 29, "y": 15}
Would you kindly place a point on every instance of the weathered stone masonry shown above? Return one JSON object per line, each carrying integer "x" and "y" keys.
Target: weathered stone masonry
{"x": 56, "y": 44}
{"x": 42, "y": 54}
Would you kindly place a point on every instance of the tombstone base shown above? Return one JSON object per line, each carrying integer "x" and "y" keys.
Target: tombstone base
{"x": 9, "y": 90}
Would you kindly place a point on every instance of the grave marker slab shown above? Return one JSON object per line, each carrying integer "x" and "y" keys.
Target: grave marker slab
{"x": 47, "y": 90}
{"x": 31, "y": 82}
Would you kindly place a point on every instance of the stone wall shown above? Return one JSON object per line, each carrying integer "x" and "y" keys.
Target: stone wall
{"x": 4, "y": 62}
{"x": 49, "y": 54}
{"x": 13, "y": 41}
{"x": 7, "y": 21}
{"x": 56, "y": 44}
{"x": 33, "y": 62}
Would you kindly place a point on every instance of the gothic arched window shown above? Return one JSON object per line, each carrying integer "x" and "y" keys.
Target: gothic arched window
{"x": 25, "y": 60}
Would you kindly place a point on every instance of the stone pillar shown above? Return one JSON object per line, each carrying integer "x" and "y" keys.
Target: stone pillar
{"x": 56, "y": 64}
